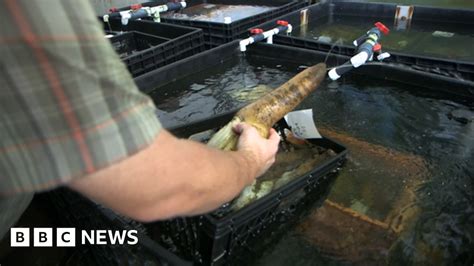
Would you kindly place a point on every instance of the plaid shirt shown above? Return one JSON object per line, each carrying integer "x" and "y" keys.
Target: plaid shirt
{"x": 68, "y": 107}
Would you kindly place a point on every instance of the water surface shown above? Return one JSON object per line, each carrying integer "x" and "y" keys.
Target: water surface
{"x": 446, "y": 40}
{"x": 405, "y": 194}
{"x": 222, "y": 89}
{"x": 218, "y": 12}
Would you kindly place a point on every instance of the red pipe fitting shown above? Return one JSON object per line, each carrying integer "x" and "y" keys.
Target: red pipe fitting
{"x": 377, "y": 47}
{"x": 136, "y": 6}
{"x": 384, "y": 29}
{"x": 256, "y": 31}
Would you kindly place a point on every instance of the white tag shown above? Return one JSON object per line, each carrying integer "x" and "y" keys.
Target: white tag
{"x": 302, "y": 124}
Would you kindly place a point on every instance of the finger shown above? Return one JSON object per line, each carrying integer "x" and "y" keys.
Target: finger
{"x": 273, "y": 136}
{"x": 238, "y": 128}
{"x": 247, "y": 129}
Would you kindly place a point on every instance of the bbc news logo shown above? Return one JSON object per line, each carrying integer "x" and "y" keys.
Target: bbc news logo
{"x": 66, "y": 237}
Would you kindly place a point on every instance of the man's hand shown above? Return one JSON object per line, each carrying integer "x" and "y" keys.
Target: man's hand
{"x": 262, "y": 151}
{"x": 175, "y": 177}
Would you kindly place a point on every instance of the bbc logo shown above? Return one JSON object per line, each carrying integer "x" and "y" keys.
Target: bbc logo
{"x": 42, "y": 237}
{"x": 66, "y": 237}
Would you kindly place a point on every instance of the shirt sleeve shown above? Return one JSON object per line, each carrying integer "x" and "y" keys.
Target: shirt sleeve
{"x": 68, "y": 107}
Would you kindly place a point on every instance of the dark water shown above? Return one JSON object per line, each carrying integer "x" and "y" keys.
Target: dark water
{"x": 437, "y": 184}
{"x": 218, "y": 12}
{"x": 446, "y": 40}
{"x": 408, "y": 179}
{"x": 222, "y": 89}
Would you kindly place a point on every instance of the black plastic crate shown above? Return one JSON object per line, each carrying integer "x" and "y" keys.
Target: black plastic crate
{"x": 130, "y": 43}
{"x": 209, "y": 240}
{"x": 164, "y": 43}
{"x": 216, "y": 239}
{"x": 217, "y": 33}
{"x": 427, "y": 82}
{"x": 74, "y": 210}
{"x": 325, "y": 10}
{"x": 224, "y": 56}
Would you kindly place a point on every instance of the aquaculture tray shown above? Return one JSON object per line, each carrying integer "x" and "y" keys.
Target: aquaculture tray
{"x": 159, "y": 43}
{"x": 210, "y": 240}
{"x": 427, "y": 82}
{"x": 78, "y": 212}
{"x": 217, "y": 240}
{"x": 217, "y": 33}
{"x": 132, "y": 42}
{"x": 327, "y": 11}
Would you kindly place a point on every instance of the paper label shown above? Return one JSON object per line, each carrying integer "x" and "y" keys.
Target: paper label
{"x": 302, "y": 124}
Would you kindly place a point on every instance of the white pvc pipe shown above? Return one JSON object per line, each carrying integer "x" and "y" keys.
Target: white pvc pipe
{"x": 125, "y": 15}
{"x": 270, "y": 39}
{"x": 243, "y": 44}
{"x": 152, "y": 11}
{"x": 383, "y": 56}
{"x": 162, "y": 8}
{"x": 359, "y": 59}
{"x": 156, "y": 9}
{"x": 333, "y": 74}
{"x": 268, "y": 35}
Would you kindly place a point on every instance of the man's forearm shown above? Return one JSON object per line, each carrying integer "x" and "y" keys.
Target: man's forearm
{"x": 171, "y": 177}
